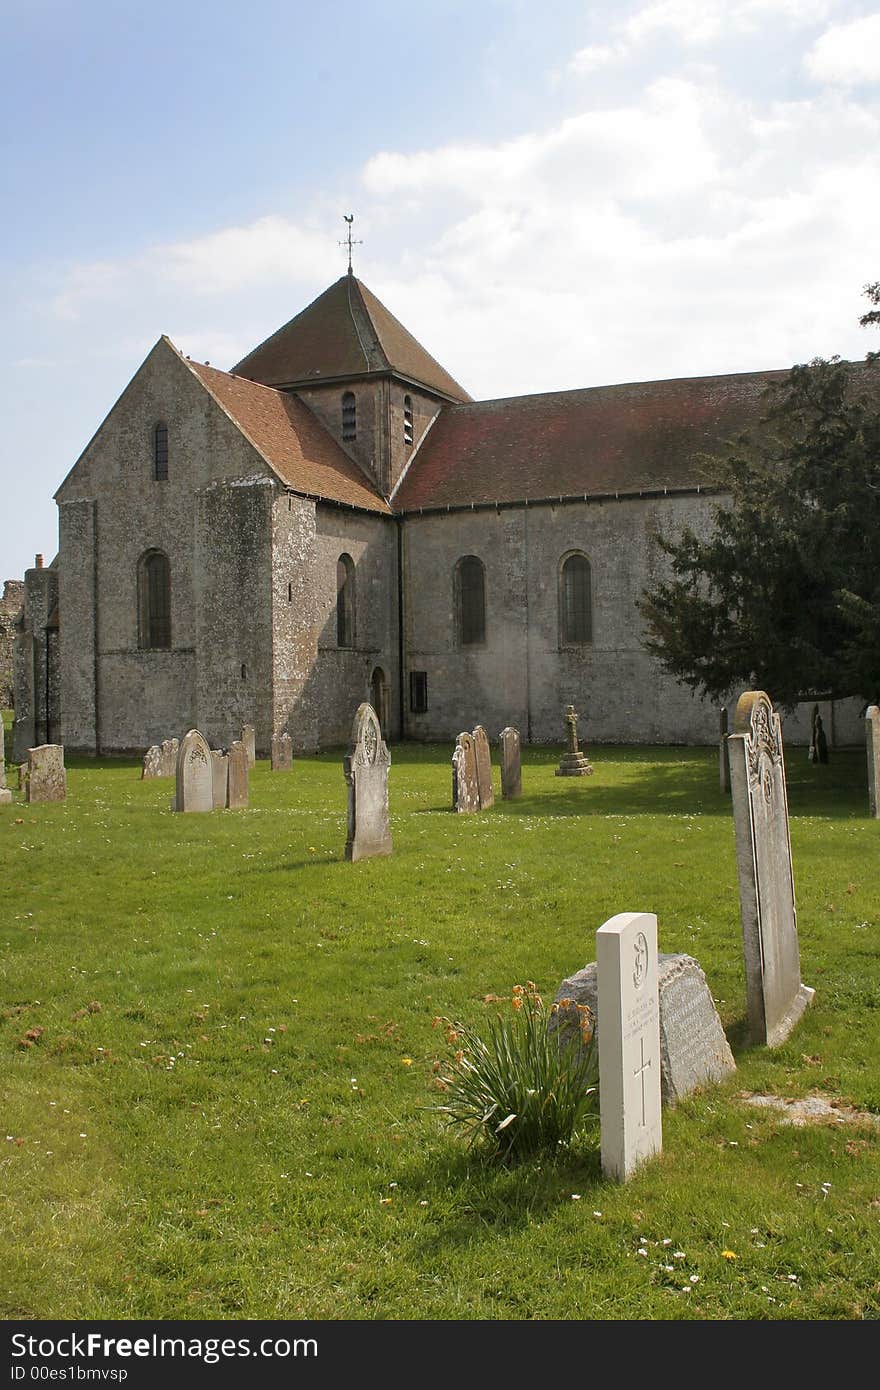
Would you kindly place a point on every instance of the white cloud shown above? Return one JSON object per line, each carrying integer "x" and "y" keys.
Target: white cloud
{"x": 596, "y": 56}
{"x": 847, "y": 54}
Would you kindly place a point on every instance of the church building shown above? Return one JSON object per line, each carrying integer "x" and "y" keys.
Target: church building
{"x": 335, "y": 520}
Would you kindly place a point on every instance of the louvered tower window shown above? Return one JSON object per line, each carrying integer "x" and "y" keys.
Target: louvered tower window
{"x": 349, "y": 416}
{"x": 407, "y": 421}
{"x": 160, "y": 452}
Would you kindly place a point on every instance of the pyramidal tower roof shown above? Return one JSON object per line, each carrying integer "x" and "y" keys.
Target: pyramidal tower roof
{"x": 345, "y": 332}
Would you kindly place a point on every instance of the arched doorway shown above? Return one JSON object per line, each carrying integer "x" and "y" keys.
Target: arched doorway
{"x": 379, "y": 698}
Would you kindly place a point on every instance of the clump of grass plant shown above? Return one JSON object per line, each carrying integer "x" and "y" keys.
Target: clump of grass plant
{"x": 525, "y": 1088}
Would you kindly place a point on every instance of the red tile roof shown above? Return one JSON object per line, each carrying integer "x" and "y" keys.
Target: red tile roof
{"x": 345, "y": 332}
{"x": 291, "y": 440}
{"x": 640, "y": 437}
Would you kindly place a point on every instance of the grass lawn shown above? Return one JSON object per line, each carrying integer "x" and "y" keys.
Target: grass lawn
{"x": 218, "y": 1051}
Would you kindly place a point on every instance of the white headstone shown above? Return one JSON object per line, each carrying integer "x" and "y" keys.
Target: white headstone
{"x": 152, "y": 764}
{"x": 366, "y": 773}
{"x": 775, "y": 996}
{"x": 629, "y": 1043}
{"x": 194, "y": 789}
{"x": 872, "y": 747}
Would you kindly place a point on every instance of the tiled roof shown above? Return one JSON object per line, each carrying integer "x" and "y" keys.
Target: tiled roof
{"x": 291, "y": 440}
{"x": 345, "y": 332}
{"x": 641, "y": 437}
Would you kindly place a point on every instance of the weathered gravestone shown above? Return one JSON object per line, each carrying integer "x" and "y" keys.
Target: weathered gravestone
{"x": 194, "y": 789}
{"x": 282, "y": 753}
{"x": 775, "y": 996}
{"x": 248, "y": 738}
{"x": 366, "y": 773}
{"x": 872, "y": 747}
{"x": 46, "y": 778}
{"x": 573, "y": 763}
{"x": 152, "y": 763}
{"x": 219, "y": 777}
{"x": 723, "y": 754}
{"x": 5, "y": 793}
{"x": 511, "y": 764}
{"x": 238, "y": 784}
{"x": 629, "y": 1043}
{"x": 465, "y": 788}
{"x": 161, "y": 759}
{"x": 694, "y": 1050}
{"x": 483, "y": 758}
{"x": 818, "y": 752}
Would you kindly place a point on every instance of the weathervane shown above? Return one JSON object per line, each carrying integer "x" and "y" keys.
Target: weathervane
{"x": 349, "y": 217}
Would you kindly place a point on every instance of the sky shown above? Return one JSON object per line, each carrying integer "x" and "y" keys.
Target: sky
{"x": 548, "y": 196}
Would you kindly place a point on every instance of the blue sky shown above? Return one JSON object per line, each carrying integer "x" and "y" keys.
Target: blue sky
{"x": 547, "y": 196}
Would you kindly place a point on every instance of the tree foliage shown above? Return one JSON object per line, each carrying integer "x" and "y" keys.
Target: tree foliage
{"x": 784, "y": 593}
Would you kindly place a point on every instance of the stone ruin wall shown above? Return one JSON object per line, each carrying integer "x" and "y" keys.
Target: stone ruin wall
{"x": 10, "y": 607}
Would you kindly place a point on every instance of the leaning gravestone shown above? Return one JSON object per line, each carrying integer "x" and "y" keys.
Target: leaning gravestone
{"x": 629, "y": 1043}
{"x": 220, "y": 777}
{"x": 46, "y": 778}
{"x": 194, "y": 789}
{"x": 723, "y": 753}
{"x": 248, "y": 738}
{"x": 5, "y": 793}
{"x": 775, "y": 996}
{"x": 573, "y": 763}
{"x": 872, "y": 747}
{"x": 366, "y": 773}
{"x": 694, "y": 1050}
{"x": 484, "y": 768}
{"x": 465, "y": 788}
{"x": 511, "y": 765}
{"x": 238, "y": 784}
{"x": 282, "y": 753}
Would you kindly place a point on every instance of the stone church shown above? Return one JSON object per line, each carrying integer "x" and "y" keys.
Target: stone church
{"x": 335, "y": 519}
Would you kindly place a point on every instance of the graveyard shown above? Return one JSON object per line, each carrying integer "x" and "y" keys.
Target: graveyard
{"x": 224, "y": 1038}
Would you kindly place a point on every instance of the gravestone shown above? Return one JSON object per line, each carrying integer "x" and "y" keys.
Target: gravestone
{"x": 723, "y": 754}
{"x": 219, "y": 777}
{"x": 194, "y": 789}
{"x": 775, "y": 996}
{"x": 694, "y": 1050}
{"x": 168, "y": 761}
{"x": 872, "y": 747}
{"x": 629, "y": 1043}
{"x": 574, "y": 763}
{"x": 818, "y": 752}
{"x": 511, "y": 764}
{"x": 248, "y": 738}
{"x": 46, "y": 778}
{"x": 5, "y": 793}
{"x": 465, "y": 788}
{"x": 22, "y": 777}
{"x": 238, "y": 783}
{"x": 152, "y": 764}
{"x": 282, "y": 753}
{"x": 483, "y": 758}
{"x": 366, "y": 773}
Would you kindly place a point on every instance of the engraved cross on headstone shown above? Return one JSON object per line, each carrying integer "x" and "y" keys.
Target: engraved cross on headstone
{"x": 640, "y": 1073}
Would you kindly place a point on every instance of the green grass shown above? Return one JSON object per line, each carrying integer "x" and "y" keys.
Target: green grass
{"x": 227, "y": 1111}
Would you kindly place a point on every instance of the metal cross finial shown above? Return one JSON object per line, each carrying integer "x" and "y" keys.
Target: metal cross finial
{"x": 349, "y": 218}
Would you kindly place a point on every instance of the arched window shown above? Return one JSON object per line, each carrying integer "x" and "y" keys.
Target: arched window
{"x": 471, "y": 601}
{"x": 345, "y": 601}
{"x": 349, "y": 416}
{"x": 160, "y": 452}
{"x": 154, "y": 601}
{"x": 407, "y": 421}
{"x": 575, "y": 601}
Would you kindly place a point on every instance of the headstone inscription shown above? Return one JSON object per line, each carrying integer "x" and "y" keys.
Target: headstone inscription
{"x": 5, "y": 793}
{"x": 723, "y": 754}
{"x": 282, "y": 753}
{"x": 775, "y": 995}
{"x": 465, "y": 789}
{"x": 46, "y": 778}
{"x": 238, "y": 785}
{"x": 366, "y": 773}
{"x": 220, "y": 777}
{"x": 511, "y": 764}
{"x": 629, "y": 1043}
{"x": 248, "y": 738}
{"x": 872, "y": 748}
{"x": 694, "y": 1050}
{"x": 573, "y": 762}
{"x": 194, "y": 788}
{"x": 483, "y": 757}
